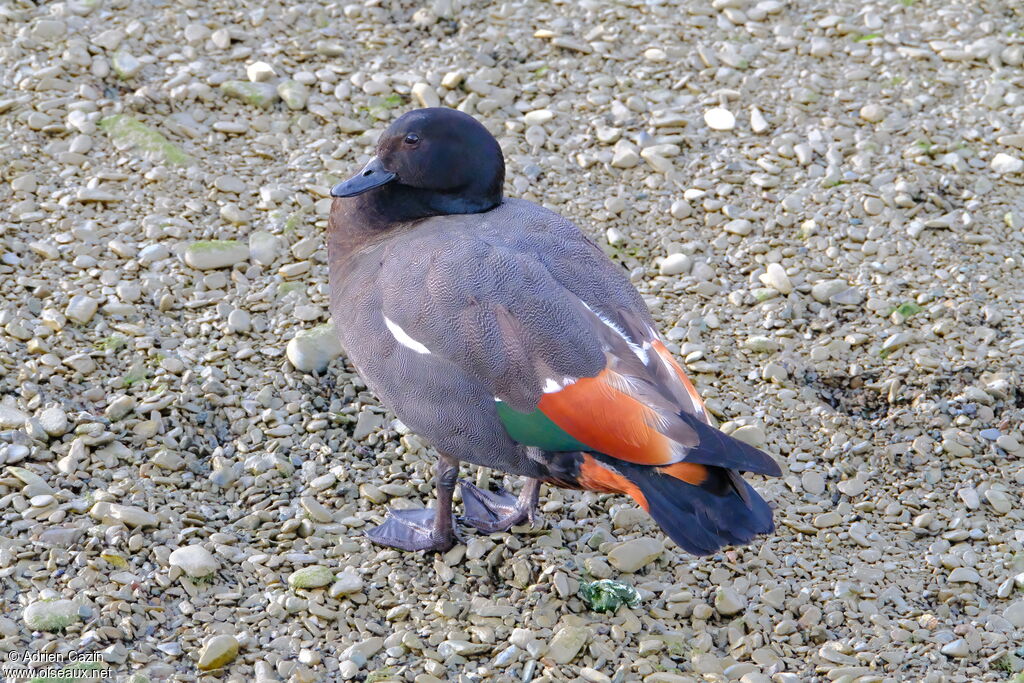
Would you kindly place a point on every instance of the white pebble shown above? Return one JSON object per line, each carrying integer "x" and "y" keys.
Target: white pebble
{"x": 720, "y": 119}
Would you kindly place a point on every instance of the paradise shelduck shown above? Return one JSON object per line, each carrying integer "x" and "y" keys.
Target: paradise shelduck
{"x": 497, "y": 331}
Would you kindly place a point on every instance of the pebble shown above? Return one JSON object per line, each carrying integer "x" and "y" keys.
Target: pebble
{"x": 751, "y": 434}
{"x": 425, "y": 95}
{"x": 217, "y": 652}
{"x": 51, "y": 615}
{"x": 213, "y": 254}
{"x": 728, "y": 601}
{"x": 757, "y": 121}
{"x": 262, "y": 95}
{"x": 54, "y": 421}
{"x": 964, "y": 575}
{"x": 999, "y": 501}
{"x": 957, "y": 648}
{"x": 1006, "y": 164}
{"x": 316, "y": 576}
{"x": 129, "y": 515}
{"x": 346, "y": 583}
{"x": 264, "y": 248}
{"x": 312, "y": 350}
{"x": 823, "y": 291}
{"x": 872, "y": 113}
{"x": 260, "y": 72}
{"x": 720, "y": 119}
{"x": 776, "y": 277}
{"x": 294, "y": 94}
{"x": 567, "y": 643}
{"x": 813, "y": 482}
{"x": 195, "y": 560}
{"x": 636, "y": 554}
{"x": 1014, "y": 613}
{"x": 81, "y": 309}
{"x": 675, "y": 264}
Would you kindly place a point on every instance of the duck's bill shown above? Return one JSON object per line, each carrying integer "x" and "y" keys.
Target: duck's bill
{"x": 373, "y": 175}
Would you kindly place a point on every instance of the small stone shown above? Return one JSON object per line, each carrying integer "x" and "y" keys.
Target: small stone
{"x": 260, "y": 72}
{"x": 813, "y": 482}
{"x": 426, "y": 95}
{"x": 51, "y": 615}
{"x": 229, "y": 183}
{"x": 751, "y": 434}
{"x": 676, "y": 264}
{"x": 758, "y": 123}
{"x": 346, "y": 583}
{"x": 110, "y": 39}
{"x": 567, "y": 643}
{"x": 239, "y": 321}
{"x": 720, "y": 119}
{"x": 957, "y": 649}
{"x": 872, "y": 113}
{"x": 1015, "y": 614}
{"x": 262, "y": 95}
{"x": 824, "y": 290}
{"x": 312, "y": 350}
{"x": 209, "y": 255}
{"x": 999, "y": 501}
{"x": 195, "y": 560}
{"x": 964, "y": 575}
{"x": 315, "y": 576}
{"x": 761, "y": 344}
{"x": 624, "y": 155}
{"x": 294, "y": 94}
{"x": 48, "y": 30}
{"x": 54, "y": 421}
{"x": 1005, "y": 164}
{"x": 728, "y": 601}
{"x": 11, "y": 418}
{"x": 633, "y": 555}
{"x": 538, "y": 117}
{"x": 129, "y": 515}
{"x": 120, "y": 407}
{"x": 217, "y": 652}
{"x": 828, "y": 519}
{"x": 776, "y": 277}
{"x": 81, "y": 308}
{"x": 125, "y": 65}
{"x": 264, "y": 248}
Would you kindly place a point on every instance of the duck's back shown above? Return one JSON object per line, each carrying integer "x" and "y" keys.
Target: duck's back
{"x": 435, "y": 272}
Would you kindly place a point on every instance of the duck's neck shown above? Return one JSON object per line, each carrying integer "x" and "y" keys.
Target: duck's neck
{"x": 366, "y": 218}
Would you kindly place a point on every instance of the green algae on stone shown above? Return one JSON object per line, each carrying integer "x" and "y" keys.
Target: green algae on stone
{"x": 211, "y": 254}
{"x": 130, "y": 133}
{"x": 51, "y": 615}
{"x": 262, "y": 95}
{"x": 316, "y": 576}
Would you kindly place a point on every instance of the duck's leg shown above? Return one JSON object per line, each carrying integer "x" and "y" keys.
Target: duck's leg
{"x": 499, "y": 511}
{"x": 426, "y": 529}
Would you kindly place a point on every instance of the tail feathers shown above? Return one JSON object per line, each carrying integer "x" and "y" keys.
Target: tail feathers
{"x": 716, "y": 448}
{"x": 723, "y": 510}
{"x": 701, "y": 508}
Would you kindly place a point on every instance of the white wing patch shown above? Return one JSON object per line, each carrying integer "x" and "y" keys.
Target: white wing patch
{"x": 404, "y": 339}
{"x": 641, "y": 352}
{"x": 553, "y": 387}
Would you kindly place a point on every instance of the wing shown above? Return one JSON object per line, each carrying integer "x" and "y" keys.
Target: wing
{"x": 528, "y": 307}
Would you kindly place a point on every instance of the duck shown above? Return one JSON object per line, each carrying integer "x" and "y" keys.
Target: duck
{"x": 503, "y": 336}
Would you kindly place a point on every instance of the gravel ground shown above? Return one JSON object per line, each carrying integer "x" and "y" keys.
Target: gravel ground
{"x": 823, "y": 202}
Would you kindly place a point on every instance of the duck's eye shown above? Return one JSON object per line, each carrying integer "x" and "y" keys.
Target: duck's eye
{"x": 412, "y": 139}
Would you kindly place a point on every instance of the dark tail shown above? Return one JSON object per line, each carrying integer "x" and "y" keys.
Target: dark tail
{"x": 722, "y": 510}
{"x": 702, "y": 508}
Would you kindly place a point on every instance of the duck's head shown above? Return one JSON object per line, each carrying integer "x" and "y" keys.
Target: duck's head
{"x": 431, "y": 162}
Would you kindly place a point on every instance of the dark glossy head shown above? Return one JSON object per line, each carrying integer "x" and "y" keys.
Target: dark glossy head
{"x": 430, "y": 162}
